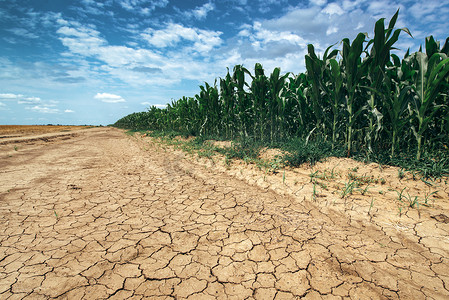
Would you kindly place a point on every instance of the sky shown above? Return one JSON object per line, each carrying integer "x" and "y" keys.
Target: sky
{"x": 93, "y": 62}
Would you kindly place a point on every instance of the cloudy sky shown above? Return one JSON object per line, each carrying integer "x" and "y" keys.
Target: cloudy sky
{"x": 93, "y": 62}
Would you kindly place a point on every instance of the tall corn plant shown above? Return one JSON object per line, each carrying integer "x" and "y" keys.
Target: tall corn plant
{"x": 259, "y": 96}
{"x": 228, "y": 99}
{"x": 300, "y": 112}
{"x": 430, "y": 73}
{"x": 242, "y": 99}
{"x": 277, "y": 104}
{"x": 354, "y": 74}
{"x": 379, "y": 57}
{"x": 315, "y": 73}
{"x": 326, "y": 89}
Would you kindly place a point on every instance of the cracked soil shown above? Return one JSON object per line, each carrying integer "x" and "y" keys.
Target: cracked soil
{"x": 95, "y": 214}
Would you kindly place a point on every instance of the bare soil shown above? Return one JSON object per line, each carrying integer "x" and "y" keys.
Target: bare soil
{"x": 7, "y": 131}
{"x": 98, "y": 214}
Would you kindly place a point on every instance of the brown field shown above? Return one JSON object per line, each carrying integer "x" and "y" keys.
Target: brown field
{"x": 98, "y": 214}
{"x": 7, "y": 131}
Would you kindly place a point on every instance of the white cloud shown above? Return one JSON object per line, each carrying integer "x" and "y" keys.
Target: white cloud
{"x": 69, "y": 111}
{"x": 146, "y": 103}
{"x": 201, "y": 12}
{"x": 109, "y": 98}
{"x": 318, "y": 2}
{"x": 331, "y": 30}
{"x": 144, "y": 7}
{"x": 333, "y": 9}
{"x": 266, "y": 36}
{"x": 160, "y": 105}
{"x": 204, "y": 40}
{"x": 29, "y": 100}
{"x": 10, "y": 96}
{"x": 46, "y": 109}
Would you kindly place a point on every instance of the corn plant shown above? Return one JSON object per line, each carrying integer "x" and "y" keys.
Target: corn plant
{"x": 360, "y": 98}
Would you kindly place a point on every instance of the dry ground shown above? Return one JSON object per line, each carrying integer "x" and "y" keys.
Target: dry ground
{"x": 98, "y": 214}
{"x": 8, "y": 131}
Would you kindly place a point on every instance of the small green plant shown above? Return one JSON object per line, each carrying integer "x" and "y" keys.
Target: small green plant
{"x": 313, "y": 175}
{"x": 348, "y": 189}
{"x": 412, "y": 201}
{"x": 227, "y": 161}
{"x": 401, "y": 173}
{"x": 361, "y": 180}
{"x": 400, "y": 195}
{"x": 365, "y": 190}
{"x": 283, "y": 177}
{"x": 427, "y": 196}
{"x": 56, "y": 215}
{"x": 371, "y": 205}
{"x": 426, "y": 182}
{"x": 322, "y": 185}
{"x": 333, "y": 173}
{"x": 16, "y": 148}
{"x": 314, "y": 192}
{"x": 355, "y": 169}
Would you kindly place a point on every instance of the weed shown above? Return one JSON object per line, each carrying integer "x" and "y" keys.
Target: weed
{"x": 301, "y": 151}
{"x": 400, "y": 210}
{"x": 348, "y": 189}
{"x": 426, "y": 182}
{"x": 361, "y": 180}
{"x": 412, "y": 201}
{"x": 365, "y": 190}
{"x": 16, "y": 148}
{"x": 381, "y": 168}
{"x": 322, "y": 185}
{"x": 333, "y": 173}
{"x": 355, "y": 169}
{"x": 283, "y": 177}
{"x": 313, "y": 175}
{"x": 371, "y": 205}
{"x": 56, "y": 215}
{"x": 427, "y": 196}
{"x": 314, "y": 192}
{"x": 401, "y": 173}
{"x": 400, "y": 196}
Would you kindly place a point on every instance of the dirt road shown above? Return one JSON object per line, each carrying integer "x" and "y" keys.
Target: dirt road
{"x": 105, "y": 215}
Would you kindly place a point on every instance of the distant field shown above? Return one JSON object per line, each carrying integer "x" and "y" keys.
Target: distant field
{"x": 7, "y": 131}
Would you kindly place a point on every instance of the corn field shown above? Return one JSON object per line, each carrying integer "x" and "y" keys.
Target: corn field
{"x": 361, "y": 98}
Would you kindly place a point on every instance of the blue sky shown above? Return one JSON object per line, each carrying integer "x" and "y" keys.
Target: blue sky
{"x": 93, "y": 62}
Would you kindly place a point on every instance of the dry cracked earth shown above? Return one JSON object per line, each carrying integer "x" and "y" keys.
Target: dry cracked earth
{"x": 102, "y": 215}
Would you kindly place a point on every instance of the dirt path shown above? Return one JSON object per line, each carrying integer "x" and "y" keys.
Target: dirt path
{"x": 104, "y": 215}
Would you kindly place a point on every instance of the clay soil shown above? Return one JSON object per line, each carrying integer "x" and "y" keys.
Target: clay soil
{"x": 98, "y": 214}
